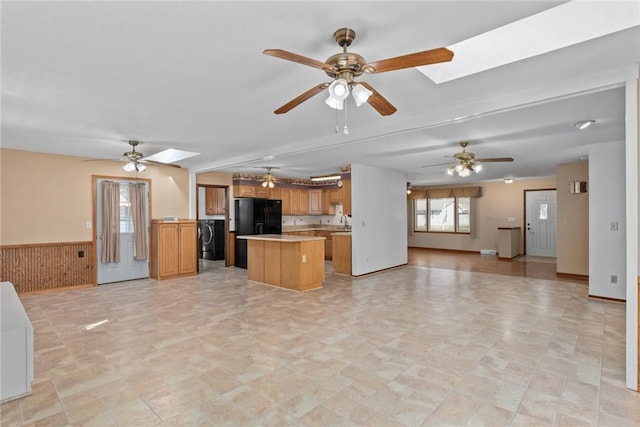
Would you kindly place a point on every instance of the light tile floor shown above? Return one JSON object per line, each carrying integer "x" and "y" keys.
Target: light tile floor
{"x": 412, "y": 346}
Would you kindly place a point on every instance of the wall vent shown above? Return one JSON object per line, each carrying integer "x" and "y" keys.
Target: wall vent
{"x": 487, "y": 252}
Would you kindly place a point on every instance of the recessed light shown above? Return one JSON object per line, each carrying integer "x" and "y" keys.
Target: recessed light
{"x": 584, "y": 124}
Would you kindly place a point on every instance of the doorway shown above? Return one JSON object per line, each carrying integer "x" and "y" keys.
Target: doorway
{"x": 128, "y": 268}
{"x": 540, "y": 219}
{"x": 212, "y": 207}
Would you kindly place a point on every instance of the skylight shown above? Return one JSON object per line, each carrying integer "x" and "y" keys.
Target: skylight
{"x": 171, "y": 155}
{"x": 565, "y": 25}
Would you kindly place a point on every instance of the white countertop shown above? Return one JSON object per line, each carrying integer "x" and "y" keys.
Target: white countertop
{"x": 281, "y": 238}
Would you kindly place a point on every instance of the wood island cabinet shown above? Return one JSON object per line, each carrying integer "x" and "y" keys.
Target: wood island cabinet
{"x": 174, "y": 251}
{"x": 214, "y": 201}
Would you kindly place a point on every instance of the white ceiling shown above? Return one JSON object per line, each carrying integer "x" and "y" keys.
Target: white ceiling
{"x": 81, "y": 78}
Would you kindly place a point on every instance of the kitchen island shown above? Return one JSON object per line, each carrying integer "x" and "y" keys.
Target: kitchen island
{"x": 286, "y": 261}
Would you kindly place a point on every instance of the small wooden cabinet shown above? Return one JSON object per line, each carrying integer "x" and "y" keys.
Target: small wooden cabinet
{"x": 342, "y": 253}
{"x": 346, "y": 197}
{"x": 335, "y": 196}
{"x": 299, "y": 201}
{"x": 174, "y": 251}
{"x": 246, "y": 190}
{"x": 214, "y": 201}
{"x": 315, "y": 201}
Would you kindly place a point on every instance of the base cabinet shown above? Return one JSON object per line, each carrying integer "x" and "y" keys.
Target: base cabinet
{"x": 342, "y": 253}
{"x": 174, "y": 250}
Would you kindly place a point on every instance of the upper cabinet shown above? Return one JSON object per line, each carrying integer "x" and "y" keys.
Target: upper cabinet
{"x": 246, "y": 190}
{"x": 299, "y": 198}
{"x": 215, "y": 202}
{"x": 315, "y": 201}
{"x": 346, "y": 197}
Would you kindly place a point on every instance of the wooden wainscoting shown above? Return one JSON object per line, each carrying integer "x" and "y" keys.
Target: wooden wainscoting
{"x": 46, "y": 267}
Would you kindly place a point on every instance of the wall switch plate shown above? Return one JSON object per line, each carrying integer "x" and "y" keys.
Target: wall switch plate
{"x": 613, "y": 226}
{"x": 614, "y": 278}
{"x": 304, "y": 258}
{"x": 88, "y": 224}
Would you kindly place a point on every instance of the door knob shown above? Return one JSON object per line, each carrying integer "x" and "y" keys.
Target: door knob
{"x": 101, "y": 237}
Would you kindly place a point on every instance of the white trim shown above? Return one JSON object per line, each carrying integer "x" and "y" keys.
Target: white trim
{"x": 631, "y": 166}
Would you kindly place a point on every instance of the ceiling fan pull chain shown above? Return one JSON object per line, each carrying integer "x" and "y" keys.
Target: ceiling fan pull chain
{"x": 346, "y": 128}
{"x": 337, "y": 128}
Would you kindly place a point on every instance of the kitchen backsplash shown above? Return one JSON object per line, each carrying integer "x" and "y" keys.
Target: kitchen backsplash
{"x": 315, "y": 219}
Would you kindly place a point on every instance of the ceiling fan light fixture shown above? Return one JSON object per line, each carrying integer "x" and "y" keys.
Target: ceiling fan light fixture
{"x": 336, "y": 104}
{"x": 129, "y": 167}
{"x": 477, "y": 167}
{"x": 464, "y": 173}
{"x": 508, "y": 180}
{"x": 360, "y": 94}
{"x": 451, "y": 171}
{"x": 339, "y": 89}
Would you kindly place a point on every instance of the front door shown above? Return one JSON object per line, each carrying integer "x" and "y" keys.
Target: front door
{"x": 540, "y": 233}
{"x": 128, "y": 268}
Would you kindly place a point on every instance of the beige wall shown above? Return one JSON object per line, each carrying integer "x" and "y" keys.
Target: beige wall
{"x": 499, "y": 202}
{"x": 214, "y": 178}
{"x": 48, "y": 198}
{"x": 573, "y": 220}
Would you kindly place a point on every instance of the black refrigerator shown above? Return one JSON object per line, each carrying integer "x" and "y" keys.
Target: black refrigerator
{"x": 255, "y": 216}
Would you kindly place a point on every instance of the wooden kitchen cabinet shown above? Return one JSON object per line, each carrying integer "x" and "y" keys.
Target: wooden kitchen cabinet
{"x": 299, "y": 201}
{"x": 174, "y": 251}
{"x": 285, "y": 196}
{"x": 346, "y": 197}
{"x": 214, "y": 201}
{"x": 335, "y": 196}
{"x": 315, "y": 201}
{"x": 275, "y": 193}
{"x": 246, "y": 190}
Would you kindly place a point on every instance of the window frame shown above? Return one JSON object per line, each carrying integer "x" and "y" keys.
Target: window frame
{"x": 427, "y": 215}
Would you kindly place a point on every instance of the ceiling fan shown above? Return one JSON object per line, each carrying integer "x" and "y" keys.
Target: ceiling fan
{"x": 136, "y": 160}
{"x": 344, "y": 67}
{"x": 466, "y": 162}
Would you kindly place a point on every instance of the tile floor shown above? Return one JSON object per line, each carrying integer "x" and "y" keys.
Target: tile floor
{"x": 412, "y": 346}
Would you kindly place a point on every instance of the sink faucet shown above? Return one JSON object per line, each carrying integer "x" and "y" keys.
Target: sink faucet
{"x": 346, "y": 226}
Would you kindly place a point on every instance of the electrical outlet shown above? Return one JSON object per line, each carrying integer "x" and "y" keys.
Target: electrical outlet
{"x": 613, "y": 226}
{"x": 80, "y": 254}
{"x": 614, "y": 278}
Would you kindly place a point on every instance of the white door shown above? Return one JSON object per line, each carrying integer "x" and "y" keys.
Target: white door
{"x": 541, "y": 223}
{"x": 127, "y": 268}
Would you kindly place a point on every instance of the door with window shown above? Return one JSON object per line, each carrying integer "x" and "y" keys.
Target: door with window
{"x": 540, "y": 233}
{"x": 128, "y": 268}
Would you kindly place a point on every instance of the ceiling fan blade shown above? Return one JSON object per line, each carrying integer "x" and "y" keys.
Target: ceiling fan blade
{"x": 378, "y": 102}
{"x": 411, "y": 60}
{"x": 294, "y": 57}
{"x": 437, "y": 164}
{"x": 495, "y": 159}
{"x": 301, "y": 98}
{"x": 153, "y": 162}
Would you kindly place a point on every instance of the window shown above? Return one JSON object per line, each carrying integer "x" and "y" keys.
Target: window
{"x": 443, "y": 214}
{"x": 126, "y": 218}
